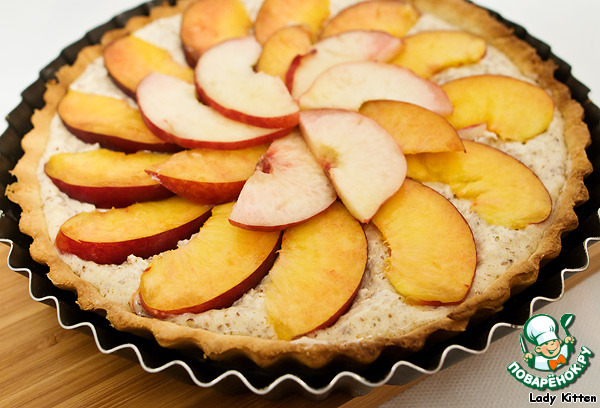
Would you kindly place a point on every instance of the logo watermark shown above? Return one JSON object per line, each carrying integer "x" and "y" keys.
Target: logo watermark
{"x": 550, "y": 355}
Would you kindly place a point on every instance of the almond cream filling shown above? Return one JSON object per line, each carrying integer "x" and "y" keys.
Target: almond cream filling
{"x": 378, "y": 309}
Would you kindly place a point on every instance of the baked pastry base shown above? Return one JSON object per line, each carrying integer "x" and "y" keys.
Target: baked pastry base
{"x": 266, "y": 352}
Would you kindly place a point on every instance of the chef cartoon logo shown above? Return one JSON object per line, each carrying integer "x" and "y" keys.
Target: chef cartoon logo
{"x": 543, "y": 349}
{"x": 551, "y": 352}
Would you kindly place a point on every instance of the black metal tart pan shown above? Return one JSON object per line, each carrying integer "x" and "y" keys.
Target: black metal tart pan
{"x": 242, "y": 374}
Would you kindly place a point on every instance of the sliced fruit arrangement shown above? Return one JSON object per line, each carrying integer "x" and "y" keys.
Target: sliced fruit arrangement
{"x": 142, "y": 229}
{"x": 208, "y": 176}
{"x": 280, "y": 49}
{"x": 226, "y": 81}
{"x": 501, "y": 103}
{"x": 284, "y": 116}
{"x": 415, "y": 129}
{"x": 428, "y": 52}
{"x": 348, "y": 46}
{"x": 425, "y": 265}
{"x": 362, "y": 160}
{"x": 287, "y": 188}
{"x": 393, "y": 16}
{"x": 214, "y": 269}
{"x": 502, "y": 189}
{"x": 349, "y": 85}
{"x": 110, "y": 122}
{"x": 275, "y": 14}
{"x": 170, "y": 109}
{"x": 205, "y": 23}
{"x": 129, "y": 59}
{"x": 317, "y": 274}
{"x": 106, "y": 178}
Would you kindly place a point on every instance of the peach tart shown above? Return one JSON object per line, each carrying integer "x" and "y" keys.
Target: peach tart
{"x": 302, "y": 179}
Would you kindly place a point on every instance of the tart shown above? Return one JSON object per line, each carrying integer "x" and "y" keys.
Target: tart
{"x": 305, "y": 182}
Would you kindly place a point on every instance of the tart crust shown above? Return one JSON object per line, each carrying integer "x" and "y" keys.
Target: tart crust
{"x": 26, "y": 192}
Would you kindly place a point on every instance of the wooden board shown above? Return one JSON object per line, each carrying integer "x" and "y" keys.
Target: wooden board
{"x": 44, "y": 365}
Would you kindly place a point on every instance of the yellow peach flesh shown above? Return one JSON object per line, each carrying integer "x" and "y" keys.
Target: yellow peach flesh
{"x": 502, "y": 189}
{"x": 416, "y": 129}
{"x": 129, "y": 59}
{"x": 281, "y": 48}
{"x": 392, "y": 16}
{"x": 429, "y": 52}
{"x": 103, "y": 168}
{"x": 208, "y": 22}
{"x": 104, "y": 115}
{"x": 275, "y": 14}
{"x": 138, "y": 220}
{"x": 208, "y": 176}
{"x": 433, "y": 255}
{"x": 208, "y": 165}
{"x": 216, "y": 261}
{"x": 501, "y": 103}
{"x": 319, "y": 269}
{"x": 142, "y": 229}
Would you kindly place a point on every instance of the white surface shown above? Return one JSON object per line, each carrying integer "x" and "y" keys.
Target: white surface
{"x": 33, "y": 32}
{"x": 571, "y": 28}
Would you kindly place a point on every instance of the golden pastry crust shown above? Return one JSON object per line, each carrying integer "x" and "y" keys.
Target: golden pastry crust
{"x": 26, "y": 192}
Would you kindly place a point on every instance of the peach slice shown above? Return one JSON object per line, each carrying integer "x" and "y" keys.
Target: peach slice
{"x": 275, "y": 14}
{"x": 110, "y": 122}
{"x": 205, "y": 23}
{"x": 211, "y": 271}
{"x": 344, "y": 47}
{"x": 142, "y": 229}
{"x": 280, "y": 49}
{"x": 364, "y": 163}
{"x": 226, "y": 80}
{"x": 317, "y": 274}
{"x": 433, "y": 255}
{"x": 106, "y": 178}
{"x": 129, "y": 59}
{"x": 349, "y": 85}
{"x": 170, "y": 109}
{"x": 428, "y": 52}
{"x": 392, "y": 16}
{"x": 416, "y": 129}
{"x": 502, "y": 189}
{"x": 287, "y": 188}
{"x": 208, "y": 176}
{"x": 501, "y": 103}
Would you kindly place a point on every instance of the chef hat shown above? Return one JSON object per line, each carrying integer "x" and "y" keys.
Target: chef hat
{"x": 540, "y": 329}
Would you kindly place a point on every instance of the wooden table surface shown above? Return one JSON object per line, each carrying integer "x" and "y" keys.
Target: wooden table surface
{"x": 44, "y": 365}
